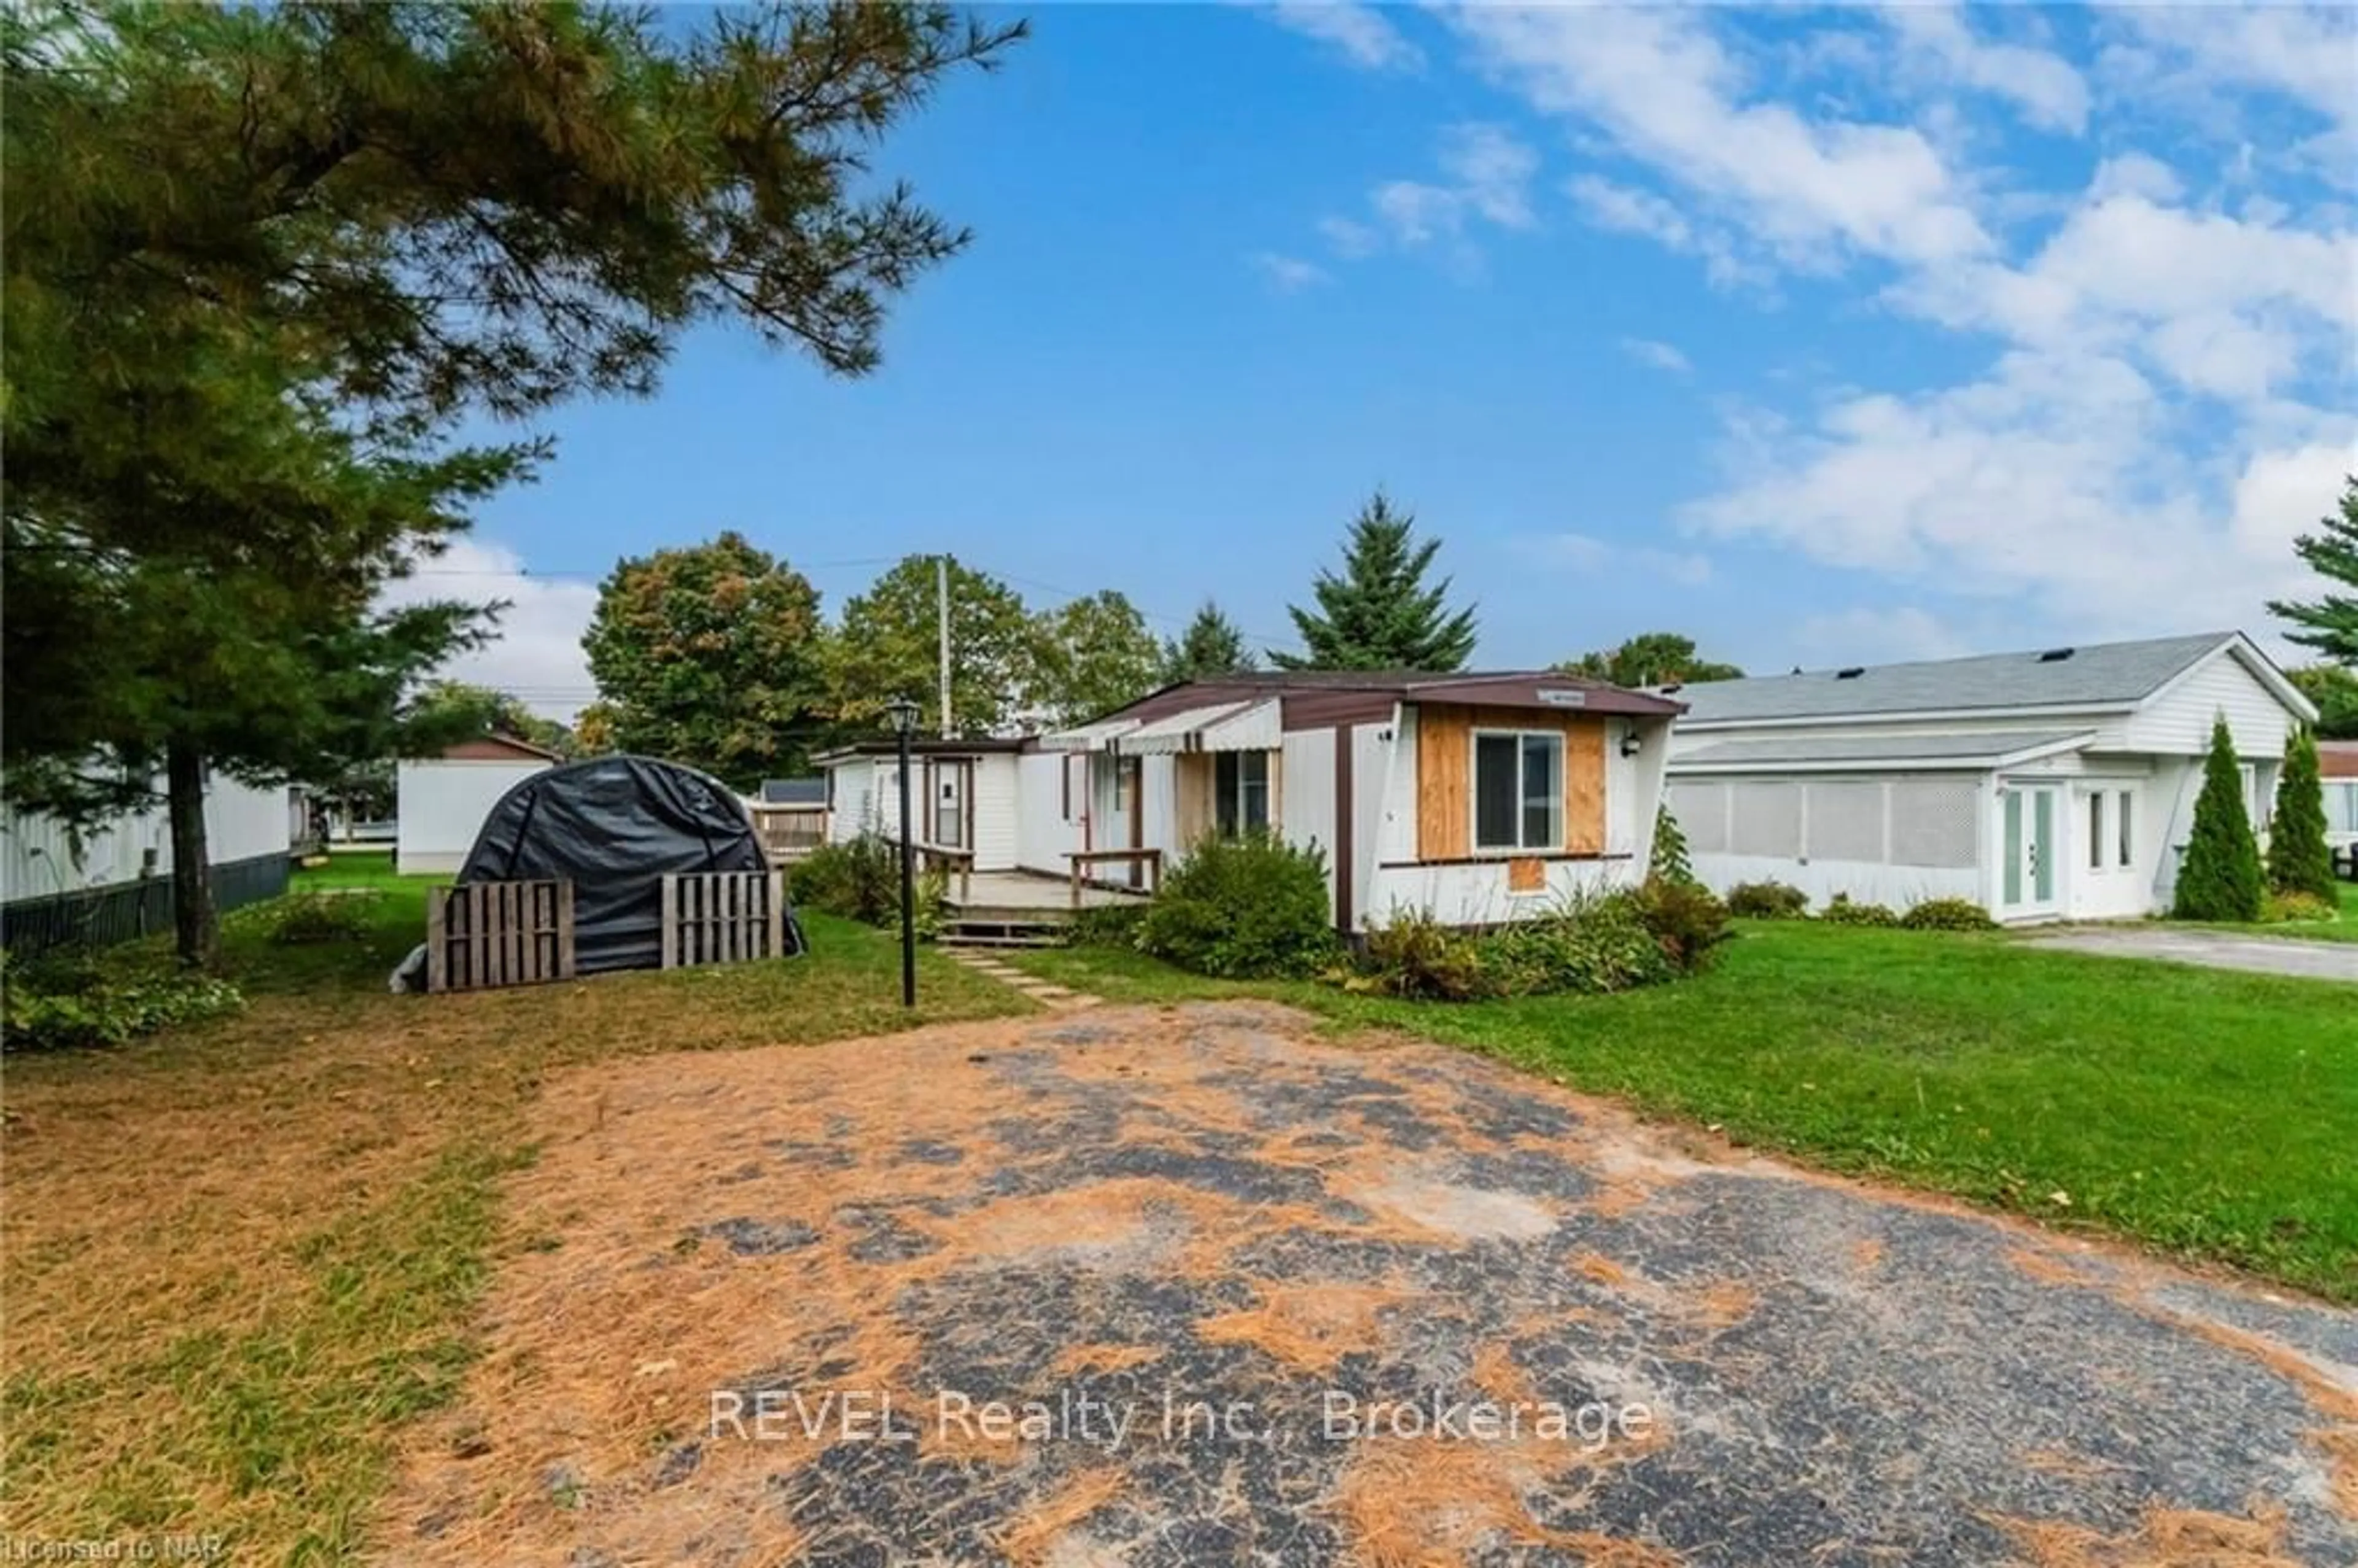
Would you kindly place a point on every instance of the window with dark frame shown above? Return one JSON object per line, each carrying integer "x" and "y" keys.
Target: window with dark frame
{"x": 1518, "y": 790}
{"x": 1239, "y": 793}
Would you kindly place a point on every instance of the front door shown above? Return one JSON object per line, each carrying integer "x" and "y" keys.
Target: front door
{"x": 946, "y": 791}
{"x": 2030, "y": 864}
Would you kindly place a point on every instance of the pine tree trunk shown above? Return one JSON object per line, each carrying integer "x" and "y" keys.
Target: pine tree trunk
{"x": 196, "y": 925}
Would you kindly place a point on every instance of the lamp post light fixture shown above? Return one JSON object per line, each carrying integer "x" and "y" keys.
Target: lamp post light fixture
{"x": 903, "y": 714}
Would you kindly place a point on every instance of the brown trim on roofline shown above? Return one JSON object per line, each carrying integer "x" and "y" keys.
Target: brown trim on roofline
{"x": 1502, "y": 857}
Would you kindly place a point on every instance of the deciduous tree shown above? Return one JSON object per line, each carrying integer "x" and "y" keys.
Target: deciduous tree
{"x": 2330, "y": 622}
{"x": 1650, "y": 658}
{"x": 1377, "y": 613}
{"x": 888, "y": 645}
{"x": 2334, "y": 689}
{"x": 1094, "y": 655}
{"x": 710, "y": 654}
{"x": 465, "y": 712}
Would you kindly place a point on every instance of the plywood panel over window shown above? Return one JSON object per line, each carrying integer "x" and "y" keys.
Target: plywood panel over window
{"x": 1445, "y": 806}
{"x": 1192, "y": 789}
{"x": 1584, "y": 786}
{"x": 1446, "y": 738}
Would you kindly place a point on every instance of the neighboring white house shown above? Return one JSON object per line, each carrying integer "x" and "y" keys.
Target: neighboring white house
{"x": 2052, "y": 784}
{"x": 441, "y": 802}
{"x": 1479, "y": 798}
{"x": 117, "y": 885}
{"x": 966, "y": 796}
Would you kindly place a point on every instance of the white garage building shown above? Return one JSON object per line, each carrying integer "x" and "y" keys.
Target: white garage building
{"x": 2050, "y": 785}
{"x": 442, "y": 801}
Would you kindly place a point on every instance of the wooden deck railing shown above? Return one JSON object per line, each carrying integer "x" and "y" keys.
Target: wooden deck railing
{"x": 1151, "y": 858}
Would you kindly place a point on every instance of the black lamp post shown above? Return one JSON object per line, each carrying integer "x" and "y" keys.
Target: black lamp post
{"x": 903, "y": 713}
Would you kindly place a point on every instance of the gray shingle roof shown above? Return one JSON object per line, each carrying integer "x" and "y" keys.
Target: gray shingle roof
{"x": 2107, "y": 675}
{"x": 1966, "y": 750}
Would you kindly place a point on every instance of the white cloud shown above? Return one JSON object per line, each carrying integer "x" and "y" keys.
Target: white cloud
{"x": 537, "y": 652}
{"x": 2048, "y": 92}
{"x": 2064, "y": 485}
{"x": 1364, "y": 34}
{"x": 1487, "y": 177}
{"x": 1290, "y": 275}
{"x": 1660, "y": 86}
{"x": 2136, "y": 174}
{"x": 2303, "y": 54}
{"x": 1350, "y": 240}
{"x": 1631, "y": 211}
{"x": 1590, "y": 556}
{"x": 1878, "y": 636}
{"x": 1660, "y": 355}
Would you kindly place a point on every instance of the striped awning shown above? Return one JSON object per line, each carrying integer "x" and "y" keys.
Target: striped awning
{"x": 1098, "y": 737}
{"x": 1247, "y": 726}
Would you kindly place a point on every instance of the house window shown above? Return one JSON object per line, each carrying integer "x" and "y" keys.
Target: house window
{"x": 2097, "y": 848}
{"x": 1240, "y": 792}
{"x": 2125, "y": 829}
{"x": 1518, "y": 790}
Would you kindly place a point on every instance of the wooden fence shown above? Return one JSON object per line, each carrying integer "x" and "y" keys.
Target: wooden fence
{"x": 723, "y": 917}
{"x": 498, "y": 934}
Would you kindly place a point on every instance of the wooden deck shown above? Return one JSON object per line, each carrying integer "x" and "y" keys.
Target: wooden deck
{"x": 1033, "y": 895}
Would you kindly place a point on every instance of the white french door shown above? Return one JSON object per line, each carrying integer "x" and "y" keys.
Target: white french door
{"x": 2030, "y": 857}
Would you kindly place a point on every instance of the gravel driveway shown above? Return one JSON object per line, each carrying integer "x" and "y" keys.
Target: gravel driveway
{"x": 1194, "y": 1286}
{"x": 2214, "y": 950}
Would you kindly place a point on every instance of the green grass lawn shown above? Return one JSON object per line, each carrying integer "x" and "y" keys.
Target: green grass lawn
{"x": 238, "y": 1256}
{"x": 2343, "y": 930}
{"x": 2209, "y": 1113}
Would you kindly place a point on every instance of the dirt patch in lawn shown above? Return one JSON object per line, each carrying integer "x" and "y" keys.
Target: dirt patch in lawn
{"x": 1189, "y": 1284}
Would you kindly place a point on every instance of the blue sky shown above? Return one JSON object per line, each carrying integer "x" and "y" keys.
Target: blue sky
{"x": 1824, "y": 336}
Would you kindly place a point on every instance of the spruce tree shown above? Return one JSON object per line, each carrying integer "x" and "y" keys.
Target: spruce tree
{"x": 2298, "y": 859}
{"x": 2219, "y": 877}
{"x": 1379, "y": 615}
{"x": 2330, "y": 622}
{"x": 1211, "y": 645}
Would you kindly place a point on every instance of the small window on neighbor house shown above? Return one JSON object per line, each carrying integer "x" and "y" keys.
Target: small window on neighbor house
{"x": 2097, "y": 848}
{"x": 2125, "y": 829}
{"x": 1518, "y": 790}
{"x": 1240, "y": 792}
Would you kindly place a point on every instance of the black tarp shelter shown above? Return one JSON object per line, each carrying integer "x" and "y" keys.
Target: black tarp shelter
{"x": 614, "y": 826}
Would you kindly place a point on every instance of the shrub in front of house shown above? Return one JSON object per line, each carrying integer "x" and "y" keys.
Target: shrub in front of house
{"x": 1687, "y": 919}
{"x": 1412, "y": 954}
{"x": 1842, "y": 912}
{"x": 1106, "y": 926}
{"x": 2220, "y": 877}
{"x": 1948, "y": 914}
{"x": 860, "y": 879}
{"x": 2279, "y": 908}
{"x": 1247, "y": 908}
{"x": 2299, "y": 858}
{"x": 1767, "y": 901}
{"x": 1587, "y": 946}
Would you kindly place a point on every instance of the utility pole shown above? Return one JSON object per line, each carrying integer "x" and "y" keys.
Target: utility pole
{"x": 942, "y": 600}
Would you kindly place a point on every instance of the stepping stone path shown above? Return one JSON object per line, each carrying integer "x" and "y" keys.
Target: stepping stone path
{"x": 1062, "y": 999}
